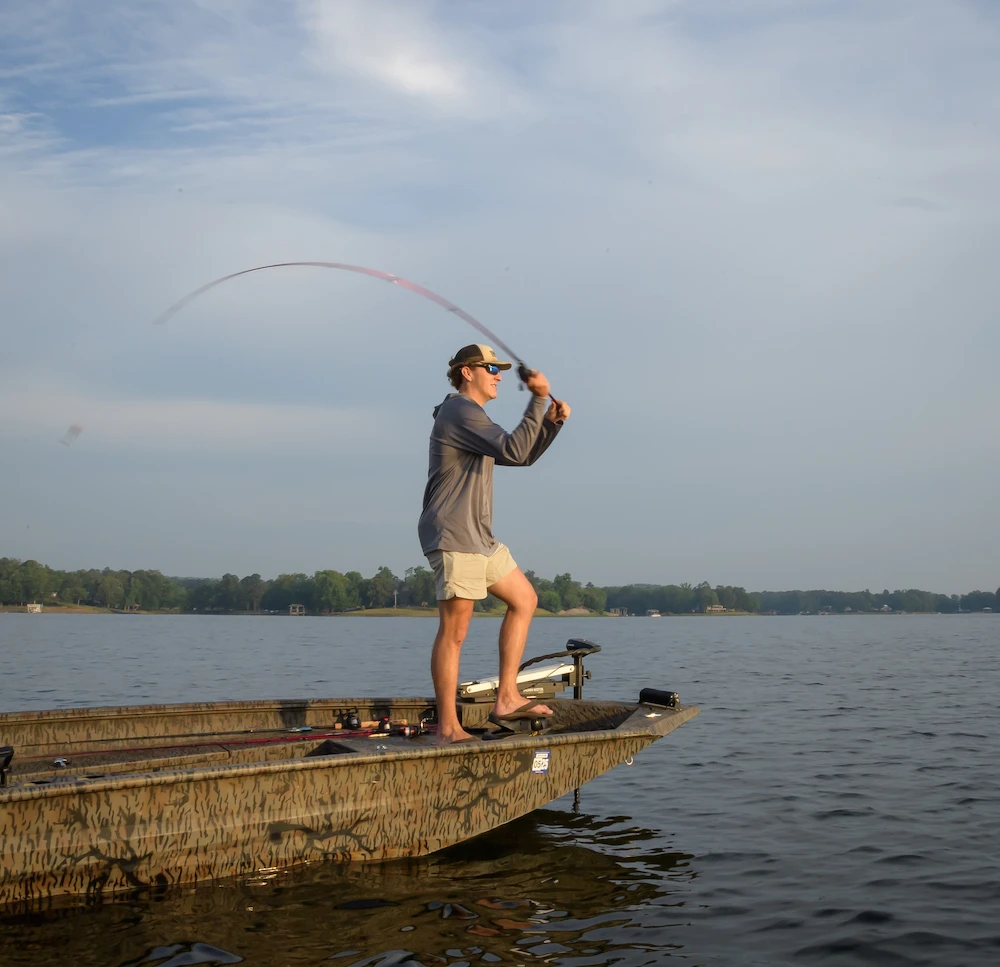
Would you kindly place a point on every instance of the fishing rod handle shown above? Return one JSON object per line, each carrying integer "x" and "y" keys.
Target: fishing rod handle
{"x": 523, "y": 373}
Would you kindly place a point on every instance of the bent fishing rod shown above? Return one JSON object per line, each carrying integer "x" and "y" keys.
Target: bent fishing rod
{"x": 524, "y": 372}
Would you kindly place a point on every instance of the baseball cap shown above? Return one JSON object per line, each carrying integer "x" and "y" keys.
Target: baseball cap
{"x": 475, "y": 354}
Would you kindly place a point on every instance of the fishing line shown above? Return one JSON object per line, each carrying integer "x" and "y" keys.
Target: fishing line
{"x": 523, "y": 371}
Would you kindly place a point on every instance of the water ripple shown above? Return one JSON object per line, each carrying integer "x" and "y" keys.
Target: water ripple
{"x": 836, "y": 803}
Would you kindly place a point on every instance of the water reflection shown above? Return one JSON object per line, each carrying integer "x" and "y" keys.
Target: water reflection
{"x": 552, "y": 887}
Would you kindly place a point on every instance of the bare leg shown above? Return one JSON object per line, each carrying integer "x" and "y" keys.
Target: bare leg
{"x": 516, "y": 592}
{"x": 454, "y": 616}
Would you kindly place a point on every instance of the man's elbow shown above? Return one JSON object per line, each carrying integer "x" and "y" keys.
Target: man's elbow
{"x": 517, "y": 459}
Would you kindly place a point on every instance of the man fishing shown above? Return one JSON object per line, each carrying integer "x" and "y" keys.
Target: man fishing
{"x": 456, "y": 527}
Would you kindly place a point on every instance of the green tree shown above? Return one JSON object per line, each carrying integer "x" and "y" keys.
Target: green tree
{"x": 356, "y": 584}
{"x": 419, "y": 584}
{"x": 287, "y": 589}
{"x": 539, "y": 584}
{"x": 254, "y": 589}
{"x": 331, "y": 591}
{"x": 36, "y": 582}
{"x": 705, "y": 596}
{"x": 72, "y": 590}
{"x": 680, "y": 599}
{"x": 231, "y": 596}
{"x": 380, "y": 588}
{"x": 11, "y": 591}
{"x": 569, "y": 591}
{"x": 202, "y": 595}
{"x": 550, "y": 600}
{"x": 594, "y": 598}
{"x": 110, "y": 590}
{"x": 978, "y": 600}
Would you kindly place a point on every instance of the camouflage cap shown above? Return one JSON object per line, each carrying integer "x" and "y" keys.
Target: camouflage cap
{"x": 476, "y": 355}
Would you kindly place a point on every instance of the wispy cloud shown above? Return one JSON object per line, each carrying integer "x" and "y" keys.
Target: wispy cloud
{"x": 768, "y": 225}
{"x": 183, "y": 426}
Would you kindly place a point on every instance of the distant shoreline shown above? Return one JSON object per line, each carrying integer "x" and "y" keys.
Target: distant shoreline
{"x": 361, "y": 612}
{"x": 432, "y": 613}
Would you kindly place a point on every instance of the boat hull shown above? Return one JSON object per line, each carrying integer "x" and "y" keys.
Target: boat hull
{"x": 369, "y": 799}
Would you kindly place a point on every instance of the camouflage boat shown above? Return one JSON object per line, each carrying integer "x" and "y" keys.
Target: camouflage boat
{"x": 101, "y": 800}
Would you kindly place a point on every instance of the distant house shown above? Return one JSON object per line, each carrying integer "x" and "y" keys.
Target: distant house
{"x": 716, "y": 609}
{"x": 131, "y": 609}
{"x": 296, "y": 609}
{"x": 34, "y": 609}
{"x": 652, "y": 613}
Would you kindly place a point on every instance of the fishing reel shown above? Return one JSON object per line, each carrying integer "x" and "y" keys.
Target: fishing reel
{"x": 405, "y": 731}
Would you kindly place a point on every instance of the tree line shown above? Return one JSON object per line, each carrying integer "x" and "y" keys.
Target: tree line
{"x": 330, "y": 592}
{"x": 687, "y": 598}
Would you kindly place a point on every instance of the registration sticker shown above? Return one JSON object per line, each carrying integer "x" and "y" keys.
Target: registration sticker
{"x": 540, "y": 763}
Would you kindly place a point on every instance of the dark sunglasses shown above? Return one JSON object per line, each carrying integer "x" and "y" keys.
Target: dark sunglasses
{"x": 490, "y": 368}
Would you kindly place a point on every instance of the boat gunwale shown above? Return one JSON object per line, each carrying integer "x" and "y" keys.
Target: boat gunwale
{"x": 77, "y": 714}
{"x": 674, "y": 717}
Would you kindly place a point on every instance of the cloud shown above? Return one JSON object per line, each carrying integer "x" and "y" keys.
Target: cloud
{"x": 393, "y": 47}
{"x": 12, "y": 123}
{"x": 707, "y": 221}
{"x": 182, "y": 426}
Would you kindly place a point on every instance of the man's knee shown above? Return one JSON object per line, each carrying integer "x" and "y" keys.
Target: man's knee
{"x": 452, "y": 638}
{"x": 524, "y": 602}
{"x": 455, "y": 614}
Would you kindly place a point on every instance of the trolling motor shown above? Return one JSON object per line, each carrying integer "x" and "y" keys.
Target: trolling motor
{"x": 577, "y": 649}
{"x": 542, "y": 683}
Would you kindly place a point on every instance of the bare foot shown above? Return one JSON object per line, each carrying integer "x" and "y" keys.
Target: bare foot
{"x": 506, "y": 706}
{"x": 450, "y": 738}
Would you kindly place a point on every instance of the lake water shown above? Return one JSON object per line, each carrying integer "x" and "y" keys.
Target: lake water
{"x": 837, "y": 802}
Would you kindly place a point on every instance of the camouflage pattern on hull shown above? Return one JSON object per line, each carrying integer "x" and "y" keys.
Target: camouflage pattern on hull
{"x": 156, "y": 796}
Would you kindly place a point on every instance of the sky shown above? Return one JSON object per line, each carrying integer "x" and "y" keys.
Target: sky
{"x": 753, "y": 243}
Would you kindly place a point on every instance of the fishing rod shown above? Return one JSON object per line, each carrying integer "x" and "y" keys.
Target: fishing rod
{"x": 383, "y": 728}
{"x": 524, "y": 372}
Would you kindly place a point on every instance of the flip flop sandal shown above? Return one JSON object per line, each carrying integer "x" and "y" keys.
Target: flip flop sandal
{"x": 522, "y": 714}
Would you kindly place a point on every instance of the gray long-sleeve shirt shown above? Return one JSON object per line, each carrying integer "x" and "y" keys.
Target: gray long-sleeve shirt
{"x": 465, "y": 446}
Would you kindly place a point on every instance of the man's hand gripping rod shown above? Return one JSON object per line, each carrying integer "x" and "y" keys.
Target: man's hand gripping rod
{"x": 524, "y": 374}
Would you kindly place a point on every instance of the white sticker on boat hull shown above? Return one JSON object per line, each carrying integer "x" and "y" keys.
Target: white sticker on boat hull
{"x": 540, "y": 763}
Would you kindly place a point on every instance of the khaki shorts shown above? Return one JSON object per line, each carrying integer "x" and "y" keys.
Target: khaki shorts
{"x": 461, "y": 575}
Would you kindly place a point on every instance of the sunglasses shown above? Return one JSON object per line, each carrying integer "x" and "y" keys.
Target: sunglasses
{"x": 490, "y": 368}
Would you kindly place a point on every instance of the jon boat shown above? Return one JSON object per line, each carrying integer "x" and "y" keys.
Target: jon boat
{"x": 95, "y": 801}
